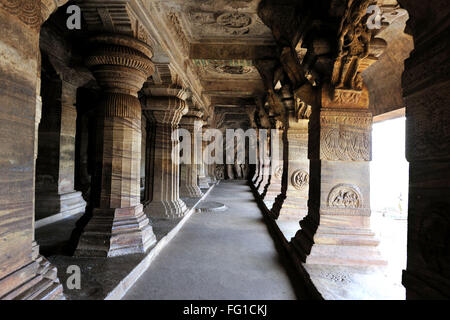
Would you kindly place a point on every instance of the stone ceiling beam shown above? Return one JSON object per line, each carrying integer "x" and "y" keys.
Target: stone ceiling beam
{"x": 224, "y": 51}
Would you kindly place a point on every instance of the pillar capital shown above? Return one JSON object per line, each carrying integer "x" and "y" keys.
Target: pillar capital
{"x": 166, "y": 110}
{"x": 121, "y": 64}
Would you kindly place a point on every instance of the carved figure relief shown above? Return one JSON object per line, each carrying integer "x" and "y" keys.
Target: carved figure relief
{"x": 300, "y": 179}
{"x": 345, "y": 196}
{"x": 232, "y": 23}
{"x": 220, "y": 172}
{"x": 353, "y": 46}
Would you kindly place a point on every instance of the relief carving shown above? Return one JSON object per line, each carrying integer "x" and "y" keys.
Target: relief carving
{"x": 353, "y": 46}
{"x": 219, "y": 172}
{"x": 278, "y": 172}
{"x": 345, "y": 196}
{"x": 300, "y": 179}
{"x": 176, "y": 27}
{"x": 28, "y": 11}
{"x": 345, "y": 144}
{"x": 232, "y": 23}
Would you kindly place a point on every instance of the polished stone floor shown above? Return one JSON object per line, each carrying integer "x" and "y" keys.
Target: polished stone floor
{"x": 219, "y": 255}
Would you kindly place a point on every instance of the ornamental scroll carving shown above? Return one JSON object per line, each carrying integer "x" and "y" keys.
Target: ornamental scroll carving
{"x": 345, "y": 196}
{"x": 345, "y": 136}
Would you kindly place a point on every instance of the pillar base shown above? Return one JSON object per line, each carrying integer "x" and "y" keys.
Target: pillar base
{"x": 339, "y": 240}
{"x": 203, "y": 182}
{"x": 36, "y": 281}
{"x": 166, "y": 209}
{"x": 116, "y": 232}
{"x": 190, "y": 191}
{"x": 54, "y": 207}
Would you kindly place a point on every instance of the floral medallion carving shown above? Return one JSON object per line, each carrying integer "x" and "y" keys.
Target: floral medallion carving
{"x": 279, "y": 172}
{"x": 345, "y": 196}
{"x": 300, "y": 179}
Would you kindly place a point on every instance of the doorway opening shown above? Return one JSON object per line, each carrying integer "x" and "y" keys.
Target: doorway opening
{"x": 389, "y": 172}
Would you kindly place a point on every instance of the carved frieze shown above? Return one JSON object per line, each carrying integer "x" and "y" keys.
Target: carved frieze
{"x": 230, "y": 23}
{"x": 345, "y": 136}
{"x": 176, "y": 27}
{"x": 345, "y": 196}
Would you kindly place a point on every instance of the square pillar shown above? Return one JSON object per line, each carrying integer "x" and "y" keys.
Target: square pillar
{"x": 165, "y": 113}
{"x": 188, "y": 171}
{"x": 23, "y": 273}
{"x": 55, "y": 175}
{"x": 337, "y": 227}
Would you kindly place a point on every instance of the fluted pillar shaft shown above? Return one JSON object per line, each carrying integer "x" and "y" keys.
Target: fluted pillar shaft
{"x": 118, "y": 225}
{"x": 165, "y": 113}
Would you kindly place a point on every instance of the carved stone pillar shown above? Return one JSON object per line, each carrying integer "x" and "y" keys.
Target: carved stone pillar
{"x": 23, "y": 274}
{"x": 338, "y": 224}
{"x": 188, "y": 171}
{"x": 118, "y": 225}
{"x": 165, "y": 113}
{"x": 426, "y": 88}
{"x": 255, "y": 177}
{"x": 202, "y": 172}
{"x": 55, "y": 173}
{"x": 264, "y": 181}
{"x": 296, "y": 202}
{"x": 273, "y": 187}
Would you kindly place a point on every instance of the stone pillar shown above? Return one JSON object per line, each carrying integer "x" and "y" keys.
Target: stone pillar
{"x": 426, "y": 88}
{"x": 255, "y": 177}
{"x": 23, "y": 274}
{"x": 56, "y": 197}
{"x": 295, "y": 204}
{"x": 264, "y": 181}
{"x": 274, "y": 189}
{"x": 202, "y": 179}
{"x": 118, "y": 225}
{"x": 188, "y": 171}
{"x": 165, "y": 113}
{"x": 337, "y": 226}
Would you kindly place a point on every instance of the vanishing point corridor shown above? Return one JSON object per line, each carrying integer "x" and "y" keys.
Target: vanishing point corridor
{"x": 219, "y": 255}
